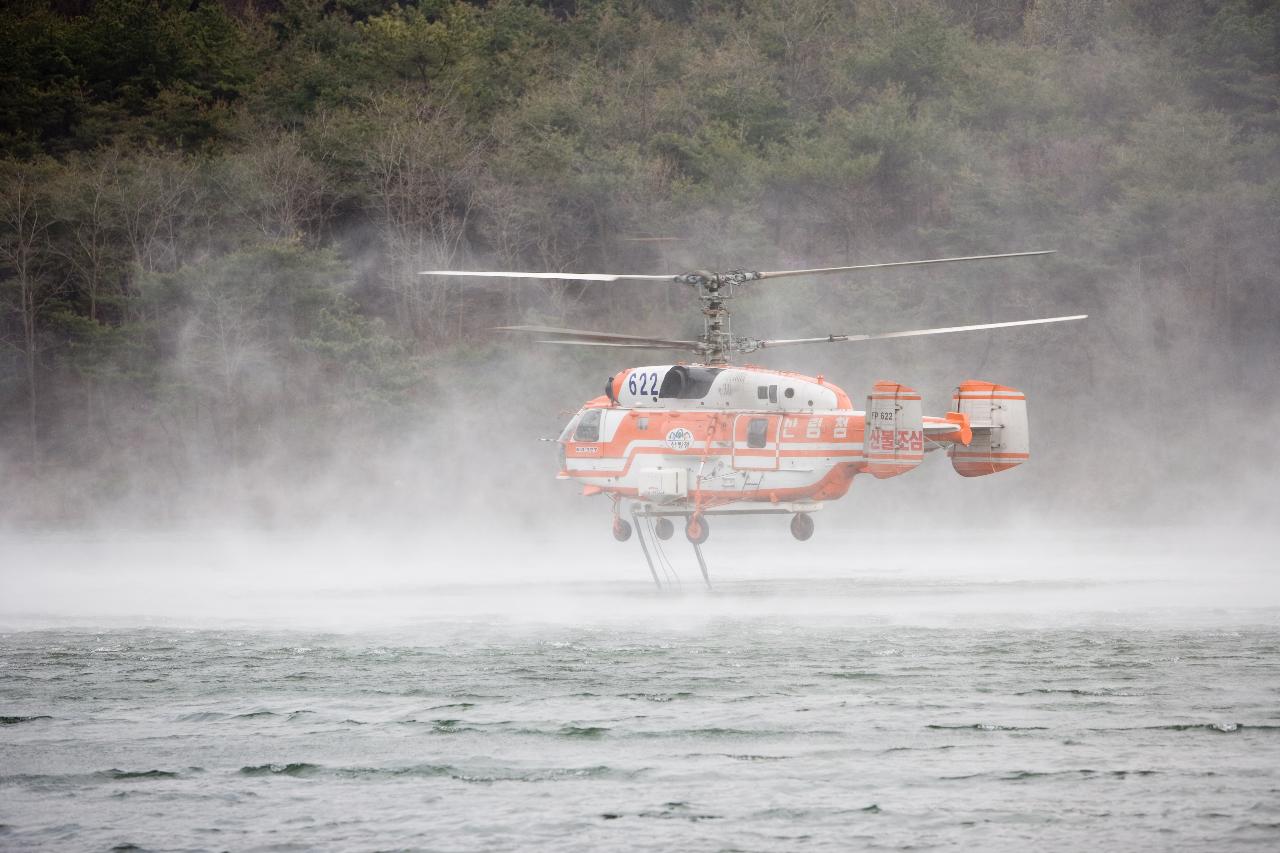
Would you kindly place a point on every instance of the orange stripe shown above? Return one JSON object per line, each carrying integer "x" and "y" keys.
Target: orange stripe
{"x": 799, "y": 454}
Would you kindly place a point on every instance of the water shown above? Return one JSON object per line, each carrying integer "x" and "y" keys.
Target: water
{"x": 1118, "y": 703}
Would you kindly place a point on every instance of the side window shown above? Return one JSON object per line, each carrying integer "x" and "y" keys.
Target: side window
{"x": 589, "y": 427}
{"x": 757, "y": 431}
{"x": 762, "y": 391}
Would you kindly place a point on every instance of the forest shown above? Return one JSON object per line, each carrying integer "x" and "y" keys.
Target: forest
{"x": 212, "y": 213}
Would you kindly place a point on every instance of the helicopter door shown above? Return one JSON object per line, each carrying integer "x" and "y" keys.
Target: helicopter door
{"x": 755, "y": 442}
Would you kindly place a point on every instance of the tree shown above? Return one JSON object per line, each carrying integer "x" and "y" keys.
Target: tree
{"x": 274, "y": 185}
{"x": 421, "y": 176}
{"x": 26, "y": 217}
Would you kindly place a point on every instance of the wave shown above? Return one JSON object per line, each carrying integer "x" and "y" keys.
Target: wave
{"x": 300, "y": 768}
{"x": 307, "y": 769}
{"x": 1224, "y": 727}
{"x": 658, "y": 697}
{"x": 112, "y": 775}
{"x": 448, "y": 726}
{"x": 202, "y": 717}
{"x": 216, "y": 716}
{"x": 115, "y": 774}
{"x": 1028, "y": 775}
{"x": 988, "y": 727}
{"x": 920, "y": 748}
{"x": 1076, "y": 691}
{"x": 15, "y": 720}
{"x": 724, "y": 732}
{"x": 678, "y": 811}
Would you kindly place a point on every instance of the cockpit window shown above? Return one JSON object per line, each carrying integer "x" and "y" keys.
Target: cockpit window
{"x": 589, "y": 427}
{"x": 688, "y": 383}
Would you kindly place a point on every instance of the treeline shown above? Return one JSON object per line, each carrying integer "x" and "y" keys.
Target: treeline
{"x": 212, "y": 213}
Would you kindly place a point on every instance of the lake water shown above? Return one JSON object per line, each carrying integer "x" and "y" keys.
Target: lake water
{"x": 1116, "y": 691}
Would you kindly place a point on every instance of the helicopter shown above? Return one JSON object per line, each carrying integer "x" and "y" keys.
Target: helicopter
{"x": 692, "y": 440}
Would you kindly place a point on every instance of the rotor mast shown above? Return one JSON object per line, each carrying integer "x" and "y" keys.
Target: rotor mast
{"x": 714, "y": 291}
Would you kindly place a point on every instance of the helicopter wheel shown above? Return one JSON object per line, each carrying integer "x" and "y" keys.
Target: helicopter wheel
{"x": 621, "y": 529}
{"x": 663, "y": 528}
{"x": 801, "y": 526}
{"x": 696, "y": 529}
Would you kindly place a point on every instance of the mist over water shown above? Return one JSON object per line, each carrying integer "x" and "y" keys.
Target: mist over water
{"x": 355, "y": 581}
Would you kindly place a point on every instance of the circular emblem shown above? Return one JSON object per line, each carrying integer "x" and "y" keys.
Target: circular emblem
{"x": 679, "y": 439}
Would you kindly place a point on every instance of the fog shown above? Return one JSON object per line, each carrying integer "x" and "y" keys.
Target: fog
{"x": 408, "y": 584}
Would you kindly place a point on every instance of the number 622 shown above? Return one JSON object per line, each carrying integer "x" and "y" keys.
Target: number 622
{"x": 642, "y": 384}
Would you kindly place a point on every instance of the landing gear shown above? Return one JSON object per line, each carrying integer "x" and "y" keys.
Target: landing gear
{"x": 662, "y": 528}
{"x": 652, "y": 522}
{"x": 802, "y": 526}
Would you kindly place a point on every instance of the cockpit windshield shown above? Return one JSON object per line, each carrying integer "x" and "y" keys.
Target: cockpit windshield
{"x": 688, "y": 383}
{"x": 588, "y": 428}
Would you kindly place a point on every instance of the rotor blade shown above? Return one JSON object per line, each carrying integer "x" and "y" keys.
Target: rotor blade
{"x": 550, "y": 276}
{"x": 580, "y": 336}
{"x": 654, "y": 345}
{"x": 782, "y": 273}
{"x": 835, "y": 339}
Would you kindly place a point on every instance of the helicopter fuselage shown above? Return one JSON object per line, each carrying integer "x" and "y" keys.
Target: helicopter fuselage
{"x": 695, "y": 437}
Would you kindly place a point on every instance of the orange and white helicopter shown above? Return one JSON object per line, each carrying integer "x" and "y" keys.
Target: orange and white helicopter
{"x": 709, "y": 438}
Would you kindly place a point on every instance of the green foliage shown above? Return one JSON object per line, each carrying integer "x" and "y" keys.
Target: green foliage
{"x": 1236, "y": 58}
{"x": 40, "y": 97}
{"x": 922, "y": 54}
{"x": 147, "y": 69}
{"x": 406, "y": 44}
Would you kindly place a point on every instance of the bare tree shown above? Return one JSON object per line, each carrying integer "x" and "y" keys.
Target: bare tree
{"x": 422, "y": 171}
{"x": 85, "y": 198}
{"x": 277, "y": 187}
{"x": 25, "y": 253}
{"x": 152, "y": 197}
